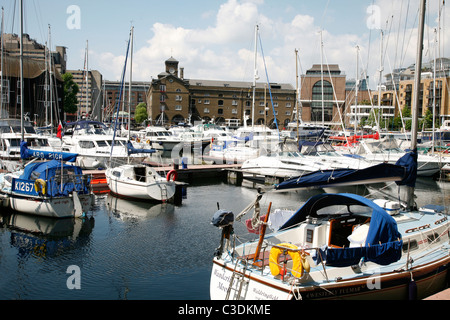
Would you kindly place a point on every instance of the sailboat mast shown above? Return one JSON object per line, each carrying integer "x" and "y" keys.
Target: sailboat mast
{"x": 356, "y": 89}
{"x": 415, "y": 107}
{"x": 1, "y": 85}
{"x": 255, "y": 76}
{"x": 87, "y": 76}
{"x": 321, "y": 77}
{"x": 129, "y": 85}
{"x": 21, "y": 72}
{"x": 296, "y": 93}
{"x": 51, "y": 80}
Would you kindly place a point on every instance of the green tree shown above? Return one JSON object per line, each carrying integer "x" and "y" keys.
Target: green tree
{"x": 140, "y": 114}
{"x": 70, "y": 93}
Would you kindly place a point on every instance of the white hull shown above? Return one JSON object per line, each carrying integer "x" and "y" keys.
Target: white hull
{"x": 429, "y": 278}
{"x": 142, "y": 191}
{"x": 123, "y": 181}
{"x": 56, "y": 207}
{"x": 422, "y": 259}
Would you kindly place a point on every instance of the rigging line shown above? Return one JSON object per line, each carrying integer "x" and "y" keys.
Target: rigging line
{"x": 323, "y": 15}
{"x": 368, "y": 47}
{"x": 270, "y": 91}
{"x": 410, "y": 36}
{"x": 334, "y": 93}
{"x": 120, "y": 96}
{"x": 404, "y": 32}
{"x": 398, "y": 34}
{"x": 396, "y": 96}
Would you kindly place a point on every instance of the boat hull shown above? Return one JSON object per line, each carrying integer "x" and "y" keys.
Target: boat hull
{"x": 54, "y": 207}
{"x": 395, "y": 285}
{"x": 157, "y": 191}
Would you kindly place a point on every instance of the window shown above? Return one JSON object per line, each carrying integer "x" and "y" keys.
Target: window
{"x": 205, "y": 110}
{"x": 162, "y": 88}
{"x": 206, "y": 102}
{"x": 86, "y": 144}
{"x": 178, "y": 107}
{"x": 220, "y": 111}
{"x": 309, "y": 235}
{"x": 234, "y": 111}
{"x": 288, "y": 105}
{"x": 234, "y": 103}
{"x": 412, "y": 246}
{"x": 316, "y": 105}
{"x": 178, "y": 98}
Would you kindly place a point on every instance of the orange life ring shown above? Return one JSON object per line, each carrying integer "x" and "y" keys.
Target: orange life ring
{"x": 172, "y": 173}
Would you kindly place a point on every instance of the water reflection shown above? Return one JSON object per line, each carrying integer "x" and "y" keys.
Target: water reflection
{"x": 46, "y": 237}
{"x": 125, "y": 209}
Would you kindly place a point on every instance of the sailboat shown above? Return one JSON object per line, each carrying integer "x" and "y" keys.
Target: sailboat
{"x": 51, "y": 188}
{"x": 339, "y": 246}
{"x": 139, "y": 181}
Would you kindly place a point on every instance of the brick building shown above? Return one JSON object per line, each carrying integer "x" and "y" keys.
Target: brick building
{"x": 172, "y": 99}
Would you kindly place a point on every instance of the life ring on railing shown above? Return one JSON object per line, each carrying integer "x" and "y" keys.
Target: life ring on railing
{"x": 300, "y": 264}
{"x": 172, "y": 174}
{"x": 40, "y": 186}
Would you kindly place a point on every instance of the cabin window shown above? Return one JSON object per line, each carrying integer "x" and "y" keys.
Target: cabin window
{"x": 116, "y": 174}
{"x": 14, "y": 143}
{"x": 412, "y": 245}
{"x": 102, "y": 143}
{"x": 433, "y": 238}
{"x": 309, "y": 235}
{"x": 86, "y": 144}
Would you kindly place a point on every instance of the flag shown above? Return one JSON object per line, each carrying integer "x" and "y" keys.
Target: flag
{"x": 59, "y": 133}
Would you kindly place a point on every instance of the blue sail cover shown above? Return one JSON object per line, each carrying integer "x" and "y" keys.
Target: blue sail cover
{"x": 26, "y": 153}
{"x": 383, "y": 243}
{"x": 409, "y": 162}
{"x": 47, "y": 172}
{"x": 324, "y": 178}
{"x": 132, "y": 150}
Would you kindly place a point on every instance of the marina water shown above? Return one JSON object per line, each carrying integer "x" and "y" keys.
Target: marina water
{"x": 134, "y": 250}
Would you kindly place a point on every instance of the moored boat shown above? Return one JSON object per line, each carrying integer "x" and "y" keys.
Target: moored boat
{"x": 51, "y": 188}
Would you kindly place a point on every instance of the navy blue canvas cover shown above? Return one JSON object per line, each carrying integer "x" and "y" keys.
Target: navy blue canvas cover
{"x": 383, "y": 243}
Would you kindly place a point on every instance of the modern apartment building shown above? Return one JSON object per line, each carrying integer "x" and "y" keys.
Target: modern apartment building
{"x": 90, "y": 94}
{"x": 323, "y": 94}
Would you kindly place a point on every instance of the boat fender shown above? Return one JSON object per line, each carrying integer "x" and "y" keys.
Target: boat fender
{"x": 297, "y": 268}
{"x": 172, "y": 174}
{"x": 40, "y": 186}
{"x": 412, "y": 289}
{"x": 148, "y": 141}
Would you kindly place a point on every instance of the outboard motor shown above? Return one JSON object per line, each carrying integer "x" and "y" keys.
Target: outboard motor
{"x": 223, "y": 219}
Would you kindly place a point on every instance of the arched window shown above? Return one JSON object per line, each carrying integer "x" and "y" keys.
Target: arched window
{"x": 316, "y": 105}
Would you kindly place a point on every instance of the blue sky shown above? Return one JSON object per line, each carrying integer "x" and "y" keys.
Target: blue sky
{"x": 214, "y": 39}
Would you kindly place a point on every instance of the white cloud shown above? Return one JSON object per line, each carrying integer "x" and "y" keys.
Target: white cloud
{"x": 224, "y": 50}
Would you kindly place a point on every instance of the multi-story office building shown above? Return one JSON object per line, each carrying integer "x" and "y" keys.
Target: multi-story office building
{"x": 112, "y": 94}
{"x": 172, "y": 99}
{"x": 90, "y": 94}
{"x": 323, "y": 94}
